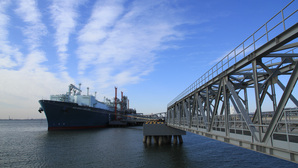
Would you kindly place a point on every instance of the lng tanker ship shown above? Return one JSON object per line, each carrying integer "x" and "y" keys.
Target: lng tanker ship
{"x": 76, "y": 111}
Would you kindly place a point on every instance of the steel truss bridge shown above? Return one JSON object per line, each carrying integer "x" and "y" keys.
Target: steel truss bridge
{"x": 230, "y": 102}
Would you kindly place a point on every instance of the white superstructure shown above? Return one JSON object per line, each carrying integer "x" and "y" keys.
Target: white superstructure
{"x": 74, "y": 96}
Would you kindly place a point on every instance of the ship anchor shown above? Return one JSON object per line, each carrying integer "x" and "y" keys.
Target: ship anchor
{"x": 40, "y": 110}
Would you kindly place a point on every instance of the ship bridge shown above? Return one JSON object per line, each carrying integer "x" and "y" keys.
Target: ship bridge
{"x": 248, "y": 99}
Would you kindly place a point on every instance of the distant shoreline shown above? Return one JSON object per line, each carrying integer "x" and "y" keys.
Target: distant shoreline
{"x": 24, "y": 119}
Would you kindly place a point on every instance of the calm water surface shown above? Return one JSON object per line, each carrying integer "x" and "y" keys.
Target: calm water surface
{"x": 27, "y": 143}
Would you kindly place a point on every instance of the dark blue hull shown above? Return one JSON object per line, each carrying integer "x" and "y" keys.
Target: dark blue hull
{"x": 63, "y": 115}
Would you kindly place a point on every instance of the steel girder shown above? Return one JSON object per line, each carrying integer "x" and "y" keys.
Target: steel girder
{"x": 203, "y": 103}
{"x": 281, "y": 105}
{"x": 209, "y": 108}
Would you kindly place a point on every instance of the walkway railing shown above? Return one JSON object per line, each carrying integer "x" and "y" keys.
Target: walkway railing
{"x": 274, "y": 26}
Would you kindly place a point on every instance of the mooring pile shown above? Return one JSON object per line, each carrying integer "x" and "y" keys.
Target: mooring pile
{"x": 161, "y": 133}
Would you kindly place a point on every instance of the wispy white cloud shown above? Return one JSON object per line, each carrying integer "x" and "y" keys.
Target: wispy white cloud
{"x": 10, "y": 56}
{"x": 3, "y": 20}
{"x": 23, "y": 88}
{"x": 121, "y": 44}
{"x": 32, "y": 78}
{"x": 103, "y": 17}
{"x": 64, "y": 15}
{"x": 117, "y": 46}
{"x": 34, "y": 60}
{"x": 33, "y": 32}
{"x": 35, "y": 29}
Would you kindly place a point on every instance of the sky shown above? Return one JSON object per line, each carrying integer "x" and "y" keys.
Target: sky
{"x": 150, "y": 50}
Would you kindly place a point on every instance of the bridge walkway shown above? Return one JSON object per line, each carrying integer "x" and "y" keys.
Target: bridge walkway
{"x": 230, "y": 102}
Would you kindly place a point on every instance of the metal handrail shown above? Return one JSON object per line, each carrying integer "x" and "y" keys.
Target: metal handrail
{"x": 231, "y": 58}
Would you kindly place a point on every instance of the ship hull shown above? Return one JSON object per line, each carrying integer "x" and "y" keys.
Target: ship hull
{"x": 64, "y": 115}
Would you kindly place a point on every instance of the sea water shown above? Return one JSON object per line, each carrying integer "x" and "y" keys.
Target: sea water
{"x": 27, "y": 143}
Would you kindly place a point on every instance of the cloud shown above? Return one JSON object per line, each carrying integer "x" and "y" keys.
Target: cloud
{"x": 118, "y": 46}
{"x": 25, "y": 77}
{"x": 34, "y": 60}
{"x": 104, "y": 15}
{"x": 23, "y": 88}
{"x": 3, "y": 20}
{"x": 10, "y": 56}
{"x": 35, "y": 29}
{"x": 64, "y": 17}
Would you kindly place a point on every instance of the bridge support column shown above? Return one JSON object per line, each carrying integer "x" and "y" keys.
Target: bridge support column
{"x": 159, "y": 140}
{"x": 161, "y": 133}
{"x": 169, "y": 139}
{"x": 148, "y": 140}
{"x": 175, "y": 140}
{"x": 155, "y": 139}
{"x": 180, "y": 139}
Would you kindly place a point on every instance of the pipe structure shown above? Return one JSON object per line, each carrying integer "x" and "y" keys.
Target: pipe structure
{"x": 121, "y": 100}
{"x": 115, "y": 103}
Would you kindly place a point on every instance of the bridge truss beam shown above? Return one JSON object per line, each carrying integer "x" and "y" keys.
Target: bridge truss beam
{"x": 219, "y": 108}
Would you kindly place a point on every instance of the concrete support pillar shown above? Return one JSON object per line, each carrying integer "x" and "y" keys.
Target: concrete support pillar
{"x": 175, "y": 140}
{"x": 148, "y": 140}
{"x": 169, "y": 139}
{"x": 155, "y": 139}
{"x": 160, "y": 140}
{"x": 180, "y": 139}
{"x": 164, "y": 139}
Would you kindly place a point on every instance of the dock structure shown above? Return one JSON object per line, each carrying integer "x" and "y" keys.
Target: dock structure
{"x": 161, "y": 133}
{"x": 136, "y": 119}
{"x": 230, "y": 102}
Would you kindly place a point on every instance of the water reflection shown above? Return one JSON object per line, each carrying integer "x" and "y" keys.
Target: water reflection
{"x": 167, "y": 155}
{"x": 29, "y": 144}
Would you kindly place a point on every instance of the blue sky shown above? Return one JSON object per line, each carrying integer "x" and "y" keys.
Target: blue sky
{"x": 150, "y": 50}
